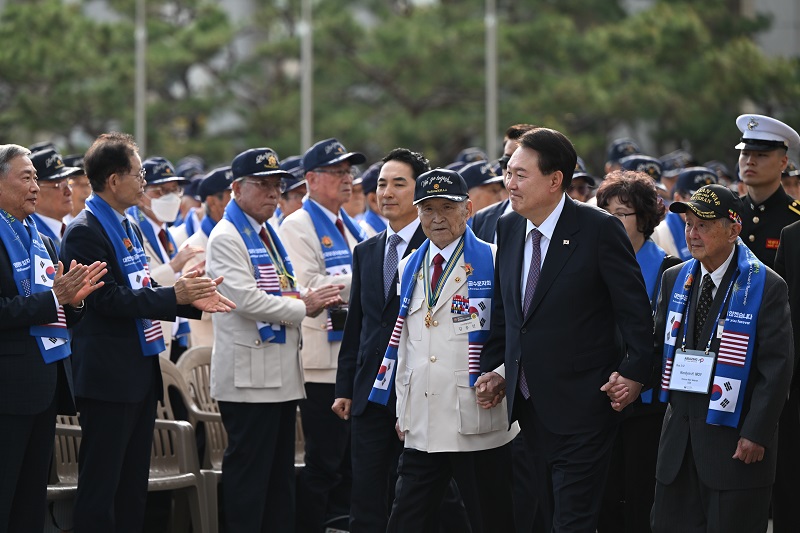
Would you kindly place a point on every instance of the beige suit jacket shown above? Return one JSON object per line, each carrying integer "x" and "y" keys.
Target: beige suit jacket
{"x": 436, "y": 407}
{"x": 202, "y": 330}
{"x": 243, "y": 368}
{"x": 302, "y": 243}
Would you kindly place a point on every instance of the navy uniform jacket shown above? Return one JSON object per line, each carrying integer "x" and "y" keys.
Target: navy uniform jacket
{"x": 107, "y": 358}
{"x": 484, "y": 223}
{"x": 27, "y": 384}
{"x": 762, "y": 224}
{"x": 370, "y": 321}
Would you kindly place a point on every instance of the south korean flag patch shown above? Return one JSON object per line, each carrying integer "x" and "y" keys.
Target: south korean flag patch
{"x": 482, "y": 307}
{"x": 673, "y": 325}
{"x": 724, "y": 394}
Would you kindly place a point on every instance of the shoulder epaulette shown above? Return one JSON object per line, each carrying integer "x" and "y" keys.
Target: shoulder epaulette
{"x": 795, "y": 207}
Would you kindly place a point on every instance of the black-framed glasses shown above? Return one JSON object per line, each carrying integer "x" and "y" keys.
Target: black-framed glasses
{"x": 622, "y": 216}
{"x": 267, "y": 185}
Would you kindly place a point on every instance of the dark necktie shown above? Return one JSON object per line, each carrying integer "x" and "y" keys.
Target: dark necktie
{"x": 530, "y": 288}
{"x": 340, "y": 227}
{"x": 703, "y": 307}
{"x": 63, "y": 229}
{"x": 390, "y": 265}
{"x": 162, "y": 236}
{"x": 437, "y": 271}
{"x": 265, "y": 239}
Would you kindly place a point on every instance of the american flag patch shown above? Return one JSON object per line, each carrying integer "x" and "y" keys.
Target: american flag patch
{"x": 267, "y": 279}
{"x": 152, "y": 330}
{"x": 62, "y": 319}
{"x": 733, "y": 348}
{"x": 667, "y": 374}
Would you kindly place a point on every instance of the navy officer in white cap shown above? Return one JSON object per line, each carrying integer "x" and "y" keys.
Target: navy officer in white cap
{"x": 767, "y": 208}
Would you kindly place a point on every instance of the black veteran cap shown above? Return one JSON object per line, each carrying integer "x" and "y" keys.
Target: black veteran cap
{"x": 329, "y": 152}
{"x": 217, "y": 180}
{"x": 581, "y": 172}
{"x": 190, "y": 166}
{"x": 692, "y": 178}
{"x": 642, "y": 163}
{"x": 479, "y": 173}
{"x": 440, "y": 183}
{"x": 620, "y": 148}
{"x": 258, "y": 162}
{"x": 158, "y": 170}
{"x": 294, "y": 166}
{"x": 75, "y": 160}
{"x": 710, "y": 202}
{"x": 471, "y": 154}
{"x": 762, "y": 133}
{"x": 50, "y": 166}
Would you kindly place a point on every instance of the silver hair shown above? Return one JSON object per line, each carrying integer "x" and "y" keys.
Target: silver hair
{"x": 7, "y": 153}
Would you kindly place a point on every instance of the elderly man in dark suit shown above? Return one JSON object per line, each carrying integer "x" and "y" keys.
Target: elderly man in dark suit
{"x": 116, "y": 345}
{"x": 37, "y": 304}
{"x": 374, "y": 304}
{"x": 562, "y": 265}
{"x": 722, "y": 324}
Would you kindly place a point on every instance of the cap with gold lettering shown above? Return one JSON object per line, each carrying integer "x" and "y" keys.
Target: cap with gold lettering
{"x": 710, "y": 202}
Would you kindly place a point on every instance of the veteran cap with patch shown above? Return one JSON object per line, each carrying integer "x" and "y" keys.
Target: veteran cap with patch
{"x": 710, "y": 202}
{"x": 642, "y": 163}
{"x": 620, "y": 148}
{"x": 692, "y": 178}
{"x": 791, "y": 169}
{"x": 216, "y": 181}
{"x": 50, "y": 166}
{"x": 257, "y": 162}
{"x": 329, "y": 152}
{"x": 479, "y": 173}
{"x": 440, "y": 183}
{"x": 762, "y": 133}
{"x": 158, "y": 170}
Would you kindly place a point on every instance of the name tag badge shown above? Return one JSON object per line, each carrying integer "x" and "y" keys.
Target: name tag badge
{"x": 692, "y": 371}
{"x": 720, "y": 327}
{"x": 465, "y": 323}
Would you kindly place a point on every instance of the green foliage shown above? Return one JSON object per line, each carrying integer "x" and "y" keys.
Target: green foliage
{"x": 390, "y": 73}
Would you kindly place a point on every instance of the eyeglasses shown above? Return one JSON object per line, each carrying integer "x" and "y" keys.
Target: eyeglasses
{"x": 623, "y": 216}
{"x": 339, "y": 173}
{"x": 59, "y": 185}
{"x": 266, "y": 185}
{"x": 141, "y": 174}
{"x": 583, "y": 189}
{"x": 158, "y": 191}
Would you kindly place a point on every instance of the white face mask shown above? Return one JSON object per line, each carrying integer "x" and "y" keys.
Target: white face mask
{"x": 166, "y": 208}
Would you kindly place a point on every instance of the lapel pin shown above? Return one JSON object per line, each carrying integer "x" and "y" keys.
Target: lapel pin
{"x": 566, "y": 242}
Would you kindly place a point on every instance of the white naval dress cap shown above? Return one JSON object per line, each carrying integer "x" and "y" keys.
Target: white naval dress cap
{"x": 762, "y": 133}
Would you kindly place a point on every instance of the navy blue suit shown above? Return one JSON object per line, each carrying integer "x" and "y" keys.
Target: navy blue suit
{"x": 116, "y": 387}
{"x": 590, "y": 288}
{"x": 484, "y": 223}
{"x": 31, "y": 393}
{"x": 374, "y": 443}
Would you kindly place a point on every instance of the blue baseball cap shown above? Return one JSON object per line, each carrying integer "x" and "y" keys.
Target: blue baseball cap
{"x": 190, "y": 166}
{"x": 620, "y": 148}
{"x": 581, "y": 172}
{"x": 218, "y": 180}
{"x": 369, "y": 179}
{"x": 675, "y": 161}
{"x": 691, "y": 179}
{"x": 50, "y": 167}
{"x": 329, "y": 152}
{"x": 479, "y": 173}
{"x": 158, "y": 170}
{"x": 471, "y": 154}
{"x": 74, "y": 160}
{"x": 257, "y": 162}
{"x": 294, "y": 166}
{"x": 642, "y": 163}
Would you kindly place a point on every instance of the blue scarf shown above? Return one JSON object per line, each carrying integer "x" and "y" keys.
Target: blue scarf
{"x": 26, "y": 249}
{"x": 650, "y": 257}
{"x": 479, "y": 266}
{"x": 44, "y": 228}
{"x": 335, "y": 250}
{"x": 279, "y": 215}
{"x": 182, "y": 333}
{"x": 133, "y": 262}
{"x": 677, "y": 227}
{"x": 207, "y": 225}
{"x": 374, "y": 220}
{"x": 189, "y": 223}
{"x": 264, "y": 270}
{"x": 738, "y": 335}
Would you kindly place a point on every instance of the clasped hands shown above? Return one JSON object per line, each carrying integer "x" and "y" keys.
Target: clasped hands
{"x": 201, "y": 292}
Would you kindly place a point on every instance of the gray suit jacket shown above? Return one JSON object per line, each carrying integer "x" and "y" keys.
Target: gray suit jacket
{"x": 771, "y": 371}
